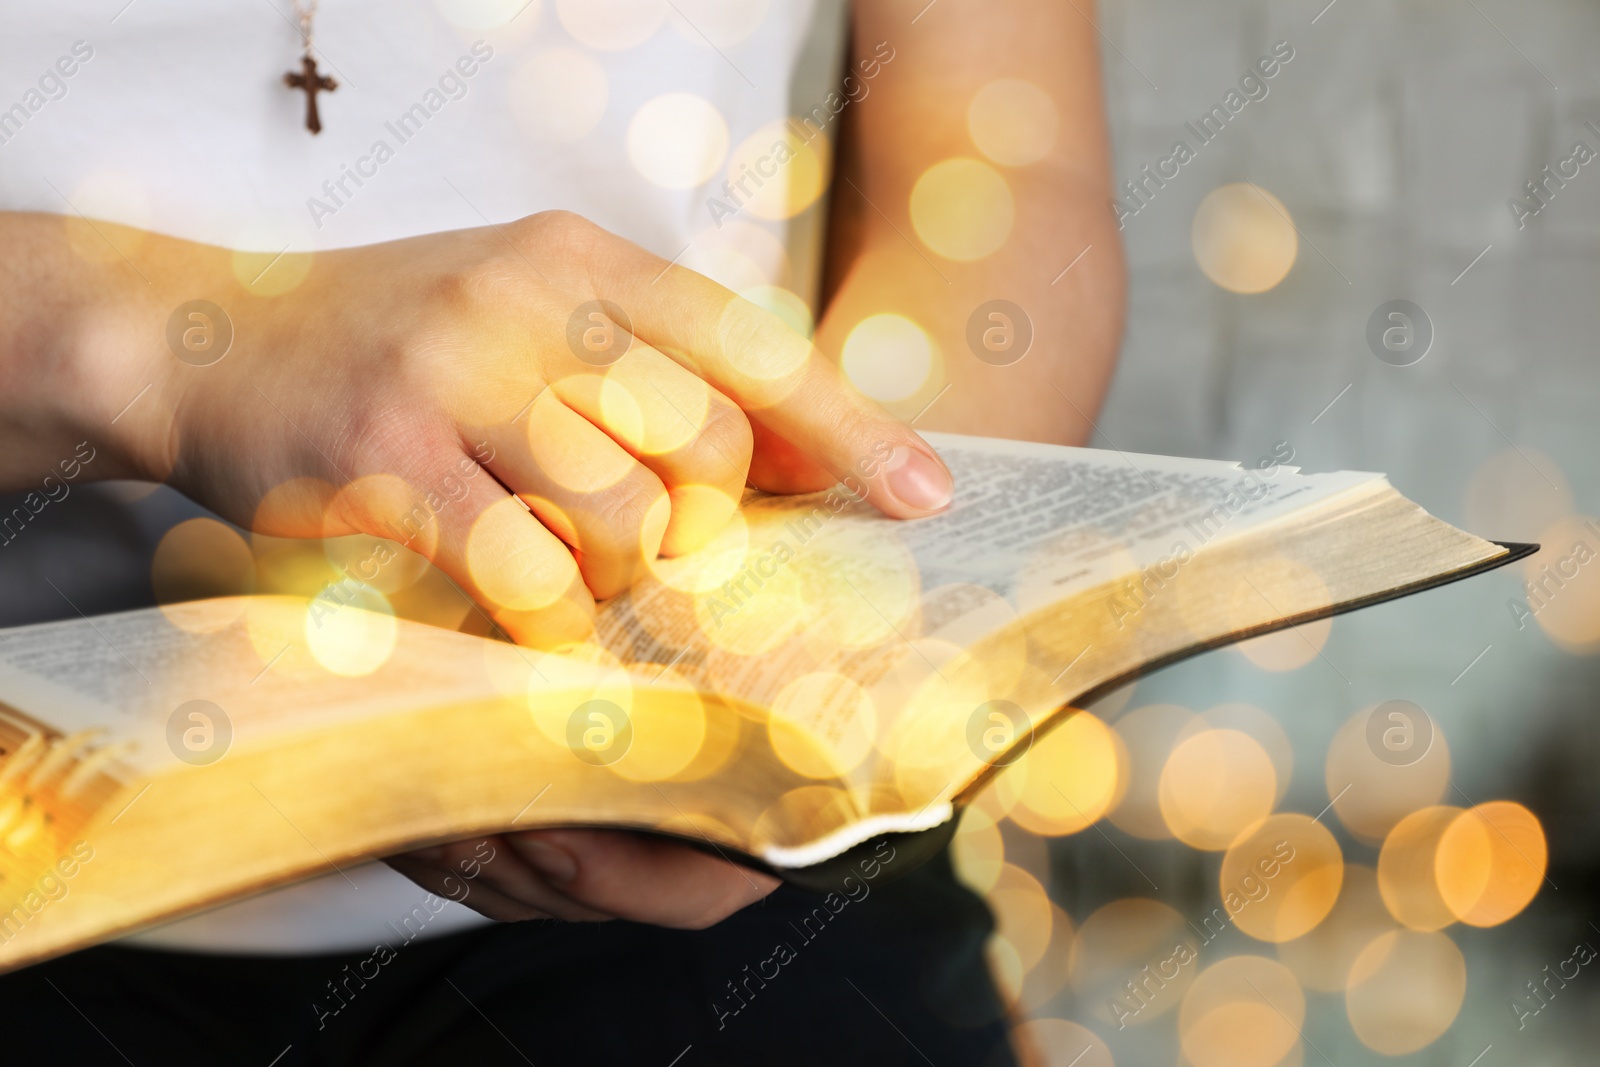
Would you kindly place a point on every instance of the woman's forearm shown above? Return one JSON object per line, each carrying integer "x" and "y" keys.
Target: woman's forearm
{"x": 82, "y": 349}
{"x": 1060, "y": 263}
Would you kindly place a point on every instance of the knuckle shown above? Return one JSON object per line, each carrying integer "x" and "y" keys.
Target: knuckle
{"x": 558, "y": 232}
{"x": 620, "y": 512}
{"x": 726, "y": 440}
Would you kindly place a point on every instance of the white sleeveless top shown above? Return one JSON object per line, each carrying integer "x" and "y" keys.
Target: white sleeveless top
{"x": 172, "y": 115}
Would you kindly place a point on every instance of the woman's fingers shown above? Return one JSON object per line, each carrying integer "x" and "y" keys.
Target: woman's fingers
{"x": 776, "y": 376}
{"x": 446, "y": 883}
{"x": 586, "y": 876}
{"x": 489, "y": 544}
{"x": 578, "y": 482}
{"x": 779, "y": 467}
{"x": 695, "y": 440}
{"x": 643, "y": 879}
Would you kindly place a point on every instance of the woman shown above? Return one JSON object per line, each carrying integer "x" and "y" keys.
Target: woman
{"x": 453, "y": 219}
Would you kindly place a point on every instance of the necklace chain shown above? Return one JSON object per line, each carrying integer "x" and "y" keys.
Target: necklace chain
{"x": 306, "y": 12}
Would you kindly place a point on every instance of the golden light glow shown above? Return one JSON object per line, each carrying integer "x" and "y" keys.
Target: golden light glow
{"x": 1406, "y": 988}
{"x": 353, "y": 634}
{"x": 569, "y": 677}
{"x": 487, "y": 14}
{"x": 197, "y": 559}
{"x": 517, "y": 566}
{"x": 295, "y": 508}
{"x": 1022, "y": 914}
{"x": 934, "y": 681}
{"x": 1251, "y": 720}
{"x": 775, "y": 173}
{"x": 1407, "y": 869}
{"x": 1149, "y": 733}
{"x": 115, "y": 196}
{"x": 384, "y": 564}
{"x": 562, "y": 445}
{"x": 808, "y": 805}
{"x": 1074, "y": 775}
{"x": 1491, "y": 862}
{"x": 1050, "y": 974}
{"x": 707, "y": 569}
{"x": 1215, "y": 785}
{"x": 1372, "y": 794}
{"x": 881, "y": 597}
{"x": 888, "y": 357}
{"x": 1050, "y": 1042}
{"x": 759, "y": 618}
{"x": 1287, "y": 650}
{"x": 1285, "y": 581}
{"x": 1519, "y": 493}
{"x": 612, "y": 25}
{"x": 560, "y": 95}
{"x": 276, "y": 628}
{"x": 1563, "y": 582}
{"x": 375, "y": 561}
{"x": 962, "y": 209}
{"x": 788, "y": 306}
{"x": 667, "y": 733}
{"x": 822, "y": 725}
{"x": 1013, "y": 122}
{"x": 977, "y": 851}
{"x": 717, "y": 23}
{"x": 721, "y": 741}
{"x": 772, "y": 356}
{"x": 1117, "y": 942}
{"x": 1244, "y": 1011}
{"x": 738, "y": 255}
{"x": 1322, "y": 957}
{"x": 292, "y": 566}
{"x": 677, "y": 140}
{"x": 1005, "y": 967}
{"x": 434, "y": 599}
{"x": 649, "y": 411}
{"x": 1281, "y": 878}
{"x": 280, "y": 266}
{"x": 1243, "y": 238}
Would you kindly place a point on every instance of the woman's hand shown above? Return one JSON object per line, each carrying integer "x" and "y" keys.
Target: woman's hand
{"x": 586, "y": 875}
{"x": 539, "y": 408}
{"x": 622, "y": 400}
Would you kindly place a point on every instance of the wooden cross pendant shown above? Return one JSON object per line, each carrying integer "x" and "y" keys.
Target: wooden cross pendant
{"x": 312, "y": 82}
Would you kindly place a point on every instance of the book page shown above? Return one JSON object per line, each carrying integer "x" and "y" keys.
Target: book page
{"x": 246, "y": 666}
{"x": 824, "y": 581}
{"x": 816, "y": 608}
{"x": 838, "y": 618}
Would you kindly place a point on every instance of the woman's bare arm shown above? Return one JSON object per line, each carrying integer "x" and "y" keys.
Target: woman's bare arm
{"x": 915, "y": 115}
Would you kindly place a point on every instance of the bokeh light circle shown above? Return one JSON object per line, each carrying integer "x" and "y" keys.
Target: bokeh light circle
{"x": 1282, "y": 877}
{"x": 1214, "y": 786}
{"x": 1013, "y": 122}
{"x": 1406, "y": 988}
{"x": 1243, "y": 238}
{"x": 1491, "y": 862}
{"x": 962, "y": 209}
{"x": 559, "y": 95}
{"x": 677, "y": 140}
{"x": 888, "y": 357}
{"x": 612, "y": 25}
{"x": 1243, "y": 1011}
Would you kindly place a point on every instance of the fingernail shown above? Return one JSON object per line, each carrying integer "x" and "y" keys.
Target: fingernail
{"x": 917, "y": 479}
{"x": 554, "y": 863}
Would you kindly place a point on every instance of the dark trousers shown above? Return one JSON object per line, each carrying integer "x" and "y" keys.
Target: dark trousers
{"x": 895, "y": 978}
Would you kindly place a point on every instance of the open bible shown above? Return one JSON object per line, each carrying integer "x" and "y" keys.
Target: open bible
{"x": 816, "y": 678}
